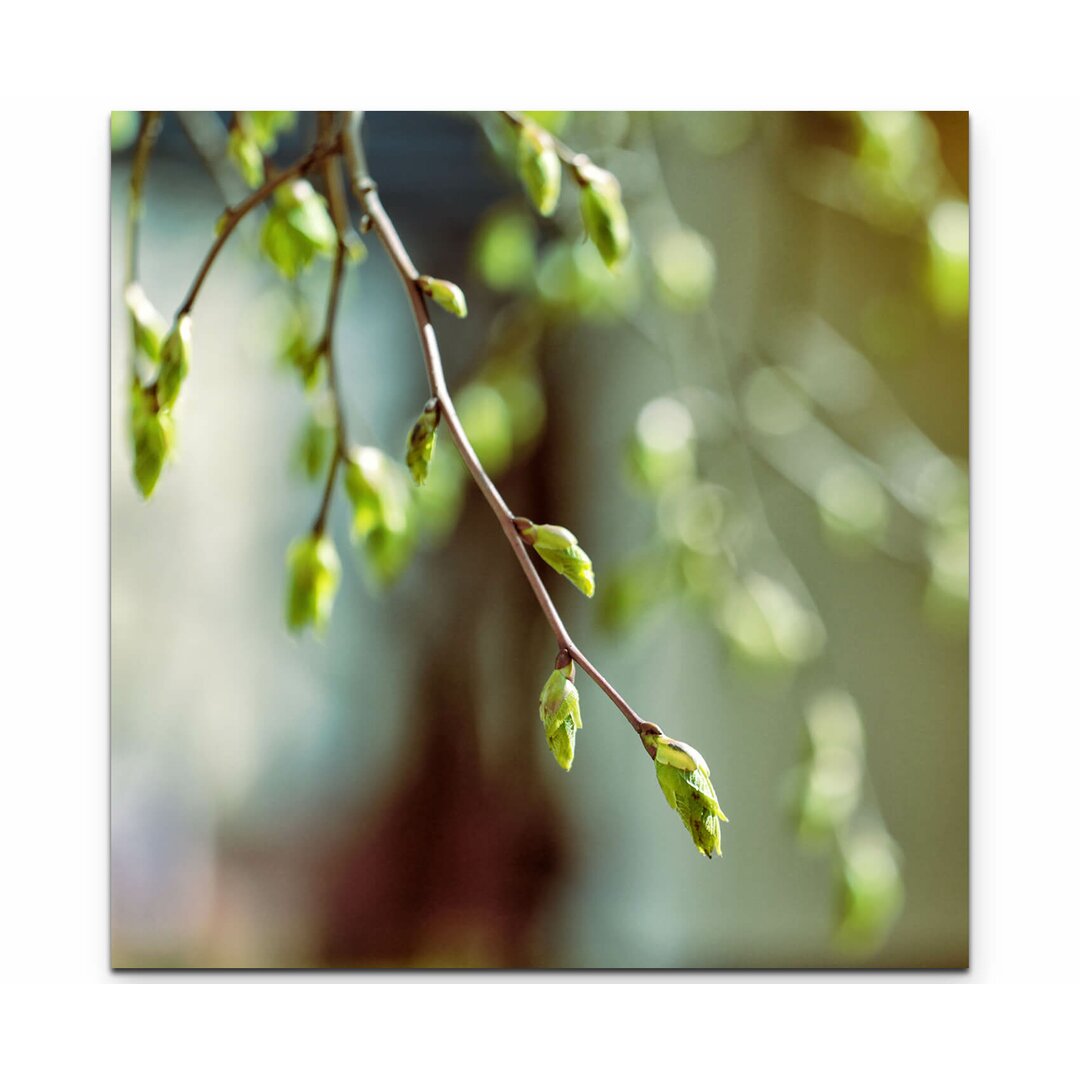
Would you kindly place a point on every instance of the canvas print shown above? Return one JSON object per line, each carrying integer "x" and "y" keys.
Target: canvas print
{"x": 539, "y": 540}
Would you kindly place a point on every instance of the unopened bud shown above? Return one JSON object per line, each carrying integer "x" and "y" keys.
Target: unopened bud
{"x": 539, "y": 167}
{"x": 151, "y": 439}
{"x": 684, "y": 780}
{"x": 297, "y": 227}
{"x": 421, "y": 444}
{"x": 175, "y": 361}
{"x": 314, "y": 573}
{"x": 558, "y": 547}
{"x": 603, "y": 212}
{"x": 560, "y": 711}
{"x": 445, "y": 293}
{"x": 148, "y": 324}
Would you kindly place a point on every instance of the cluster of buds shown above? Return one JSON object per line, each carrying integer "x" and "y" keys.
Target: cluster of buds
{"x": 166, "y": 356}
{"x": 539, "y": 164}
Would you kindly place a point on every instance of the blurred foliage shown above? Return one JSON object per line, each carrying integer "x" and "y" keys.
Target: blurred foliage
{"x": 797, "y": 408}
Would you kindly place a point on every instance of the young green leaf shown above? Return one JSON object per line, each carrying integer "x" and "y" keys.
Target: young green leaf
{"x": 383, "y": 521}
{"x": 421, "y": 443}
{"x": 148, "y": 325}
{"x": 560, "y": 712}
{"x": 558, "y": 547}
{"x": 297, "y": 228}
{"x": 246, "y": 156}
{"x": 603, "y": 212}
{"x": 539, "y": 167}
{"x": 316, "y": 441}
{"x": 684, "y": 780}
{"x": 151, "y": 439}
{"x": 264, "y": 126}
{"x": 314, "y": 574}
{"x": 445, "y": 293}
{"x": 175, "y": 361}
{"x": 369, "y": 483}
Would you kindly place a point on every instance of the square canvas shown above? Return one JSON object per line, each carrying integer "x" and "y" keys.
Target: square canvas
{"x": 539, "y": 540}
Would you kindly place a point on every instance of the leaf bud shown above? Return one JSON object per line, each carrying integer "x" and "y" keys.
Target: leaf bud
{"x": 421, "y": 443}
{"x": 558, "y": 547}
{"x": 684, "y": 780}
{"x": 603, "y": 212}
{"x": 539, "y": 167}
{"x": 175, "y": 361}
{"x": 560, "y": 710}
{"x": 314, "y": 574}
{"x": 445, "y": 293}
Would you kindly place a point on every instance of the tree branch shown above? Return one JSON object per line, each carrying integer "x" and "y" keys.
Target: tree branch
{"x": 366, "y": 193}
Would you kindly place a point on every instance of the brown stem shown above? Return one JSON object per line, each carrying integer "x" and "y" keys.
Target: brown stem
{"x": 366, "y": 192}
{"x": 340, "y": 213}
{"x": 149, "y": 126}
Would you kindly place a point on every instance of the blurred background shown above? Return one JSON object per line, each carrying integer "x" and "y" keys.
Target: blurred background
{"x": 757, "y": 427}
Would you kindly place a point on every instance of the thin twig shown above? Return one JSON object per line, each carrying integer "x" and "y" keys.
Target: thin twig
{"x": 366, "y": 192}
{"x": 233, "y": 216}
{"x": 340, "y": 214}
{"x": 149, "y": 126}
{"x": 327, "y": 347}
{"x": 571, "y": 158}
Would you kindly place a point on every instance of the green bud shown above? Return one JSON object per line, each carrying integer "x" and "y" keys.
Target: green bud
{"x": 314, "y": 573}
{"x": 152, "y": 439}
{"x": 421, "y": 444}
{"x": 560, "y": 711}
{"x": 298, "y": 348}
{"x": 263, "y": 127}
{"x": 445, "y": 293}
{"x": 316, "y": 441}
{"x": 558, "y": 547}
{"x": 355, "y": 250}
{"x": 383, "y": 518}
{"x": 246, "y": 156}
{"x": 378, "y": 499}
{"x": 175, "y": 361}
{"x": 684, "y": 780}
{"x": 148, "y": 325}
{"x": 539, "y": 167}
{"x": 603, "y": 212}
{"x": 297, "y": 228}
